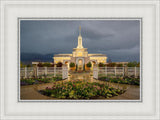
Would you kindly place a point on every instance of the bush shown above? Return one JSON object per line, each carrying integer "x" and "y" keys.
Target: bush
{"x": 119, "y": 65}
{"x": 89, "y": 64}
{"x": 40, "y": 64}
{"x": 101, "y": 65}
{"x": 52, "y": 65}
{"x": 111, "y": 64}
{"x": 59, "y": 64}
{"x": 124, "y": 80}
{"x": 72, "y": 64}
{"x": 31, "y": 81}
{"x": 132, "y": 64}
{"x": 28, "y": 65}
{"x": 47, "y": 64}
{"x": 22, "y": 65}
{"x": 138, "y": 64}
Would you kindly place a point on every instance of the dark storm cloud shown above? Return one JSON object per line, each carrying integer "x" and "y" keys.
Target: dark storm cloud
{"x": 111, "y": 37}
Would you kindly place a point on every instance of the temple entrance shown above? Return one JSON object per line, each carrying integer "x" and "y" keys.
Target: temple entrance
{"x": 80, "y": 64}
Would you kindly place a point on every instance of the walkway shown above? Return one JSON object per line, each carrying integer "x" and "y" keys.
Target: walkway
{"x": 30, "y": 92}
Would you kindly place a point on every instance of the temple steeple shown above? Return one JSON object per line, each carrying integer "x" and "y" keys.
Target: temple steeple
{"x": 79, "y": 30}
{"x": 80, "y": 39}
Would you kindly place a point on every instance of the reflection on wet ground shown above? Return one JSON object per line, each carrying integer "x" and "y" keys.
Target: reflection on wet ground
{"x": 30, "y": 92}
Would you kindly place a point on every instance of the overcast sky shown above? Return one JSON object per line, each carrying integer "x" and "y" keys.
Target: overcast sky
{"x": 118, "y": 39}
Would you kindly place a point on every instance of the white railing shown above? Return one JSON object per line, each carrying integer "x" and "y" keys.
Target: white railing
{"x": 116, "y": 71}
{"x": 29, "y": 72}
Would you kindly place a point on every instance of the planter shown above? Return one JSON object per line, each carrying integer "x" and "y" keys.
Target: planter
{"x": 88, "y": 68}
{"x": 72, "y": 68}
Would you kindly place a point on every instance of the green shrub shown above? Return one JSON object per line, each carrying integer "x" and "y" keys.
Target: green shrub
{"x": 124, "y": 80}
{"x": 32, "y": 81}
{"x": 40, "y": 64}
{"x": 111, "y": 64}
{"x": 72, "y": 64}
{"x": 119, "y": 65}
{"x": 89, "y": 64}
{"x": 59, "y": 64}
{"x": 22, "y": 65}
{"x": 47, "y": 64}
{"x": 132, "y": 64}
{"x": 101, "y": 65}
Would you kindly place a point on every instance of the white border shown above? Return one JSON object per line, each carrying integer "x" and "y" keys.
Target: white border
{"x": 11, "y": 111}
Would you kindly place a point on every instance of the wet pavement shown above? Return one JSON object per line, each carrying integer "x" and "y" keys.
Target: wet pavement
{"x": 30, "y": 92}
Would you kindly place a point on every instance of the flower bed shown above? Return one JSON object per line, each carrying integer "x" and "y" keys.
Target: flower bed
{"x": 32, "y": 81}
{"x": 81, "y": 90}
{"x": 121, "y": 80}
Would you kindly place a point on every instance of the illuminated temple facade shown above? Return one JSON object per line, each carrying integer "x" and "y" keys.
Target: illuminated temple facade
{"x": 80, "y": 56}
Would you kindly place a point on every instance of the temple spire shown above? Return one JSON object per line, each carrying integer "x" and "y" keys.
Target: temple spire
{"x": 79, "y": 30}
{"x": 80, "y": 39}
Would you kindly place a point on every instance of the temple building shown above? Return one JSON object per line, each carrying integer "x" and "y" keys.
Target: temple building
{"x": 80, "y": 56}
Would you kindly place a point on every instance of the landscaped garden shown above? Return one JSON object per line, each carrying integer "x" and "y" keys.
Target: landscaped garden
{"x": 131, "y": 80}
{"x": 81, "y": 90}
{"x": 31, "y": 81}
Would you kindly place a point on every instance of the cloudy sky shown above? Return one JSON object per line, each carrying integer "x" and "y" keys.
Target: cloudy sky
{"x": 118, "y": 39}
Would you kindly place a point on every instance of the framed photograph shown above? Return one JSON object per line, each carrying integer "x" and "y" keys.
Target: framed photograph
{"x": 80, "y": 60}
{"x": 71, "y": 76}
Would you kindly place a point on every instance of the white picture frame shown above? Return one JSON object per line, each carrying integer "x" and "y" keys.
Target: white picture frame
{"x": 147, "y": 109}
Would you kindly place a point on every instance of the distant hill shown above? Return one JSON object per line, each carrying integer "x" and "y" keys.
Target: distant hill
{"x": 127, "y": 58}
{"x": 28, "y": 58}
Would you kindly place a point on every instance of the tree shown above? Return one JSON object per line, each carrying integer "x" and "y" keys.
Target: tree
{"x": 111, "y": 64}
{"x": 132, "y": 64}
{"x": 109, "y": 61}
{"x": 119, "y": 65}
{"x": 22, "y": 65}
{"x": 40, "y": 64}
{"x": 52, "y": 65}
{"x": 72, "y": 64}
{"x": 101, "y": 65}
{"x": 138, "y": 64}
{"x": 89, "y": 64}
{"x": 59, "y": 64}
{"x": 47, "y": 64}
{"x": 28, "y": 65}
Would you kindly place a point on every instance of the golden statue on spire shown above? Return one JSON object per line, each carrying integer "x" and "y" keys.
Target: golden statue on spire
{"x": 80, "y": 39}
{"x": 79, "y": 30}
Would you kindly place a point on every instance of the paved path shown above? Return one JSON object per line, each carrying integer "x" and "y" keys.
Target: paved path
{"x": 30, "y": 92}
